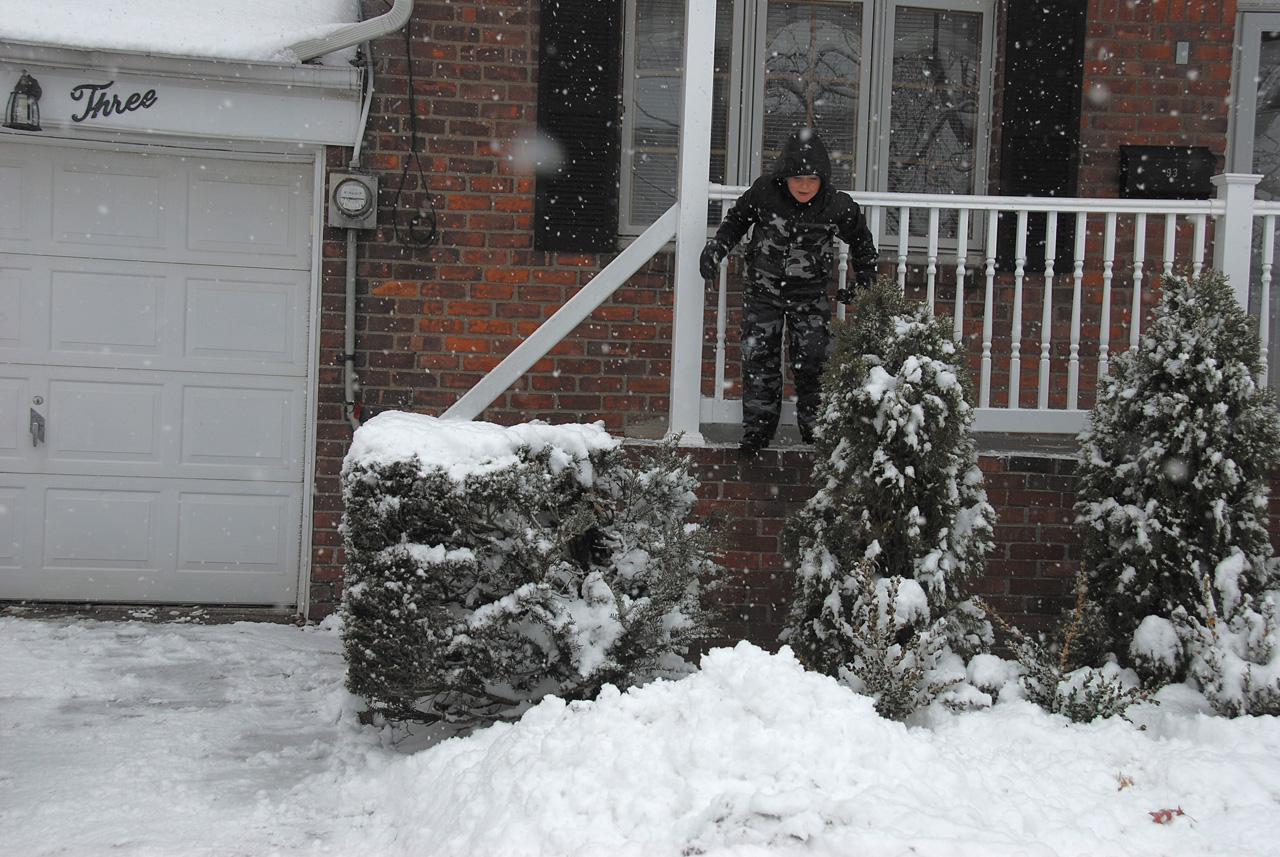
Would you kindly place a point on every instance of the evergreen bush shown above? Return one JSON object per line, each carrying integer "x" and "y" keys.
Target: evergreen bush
{"x": 1060, "y": 677}
{"x": 476, "y": 586}
{"x": 1172, "y": 500}
{"x": 900, "y": 518}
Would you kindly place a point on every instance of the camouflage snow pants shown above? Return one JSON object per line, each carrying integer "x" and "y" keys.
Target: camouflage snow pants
{"x": 807, "y": 320}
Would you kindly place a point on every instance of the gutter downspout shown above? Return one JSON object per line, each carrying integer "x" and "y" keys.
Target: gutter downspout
{"x": 354, "y": 34}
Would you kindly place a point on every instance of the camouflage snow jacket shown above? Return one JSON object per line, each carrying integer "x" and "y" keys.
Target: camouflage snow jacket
{"x": 793, "y": 243}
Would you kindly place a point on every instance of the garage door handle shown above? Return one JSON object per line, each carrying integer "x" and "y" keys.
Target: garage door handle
{"x": 37, "y": 428}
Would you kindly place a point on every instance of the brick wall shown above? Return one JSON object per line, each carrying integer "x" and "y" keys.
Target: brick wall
{"x": 1135, "y": 92}
{"x": 1030, "y": 576}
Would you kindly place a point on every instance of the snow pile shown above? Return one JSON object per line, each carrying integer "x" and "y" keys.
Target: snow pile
{"x": 461, "y": 448}
{"x": 144, "y": 739}
{"x": 249, "y": 30}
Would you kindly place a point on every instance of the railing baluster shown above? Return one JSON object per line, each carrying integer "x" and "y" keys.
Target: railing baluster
{"x": 1201, "y": 222}
{"x": 1108, "y": 269}
{"x": 842, "y": 273}
{"x": 1046, "y": 307}
{"x": 1073, "y": 355}
{"x": 962, "y": 251}
{"x": 1264, "y": 305}
{"x": 931, "y": 266}
{"x": 722, "y": 326}
{"x": 1015, "y": 336}
{"x": 722, "y": 316}
{"x": 988, "y": 313}
{"x": 1170, "y": 242}
{"x": 1139, "y": 255}
{"x": 904, "y": 230}
{"x": 874, "y": 214}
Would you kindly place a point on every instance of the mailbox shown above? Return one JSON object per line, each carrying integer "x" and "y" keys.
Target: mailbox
{"x": 1166, "y": 172}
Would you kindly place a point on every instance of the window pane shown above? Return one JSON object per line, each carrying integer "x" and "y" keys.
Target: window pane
{"x": 659, "y": 33}
{"x": 657, "y": 118}
{"x": 934, "y": 101}
{"x": 813, "y": 59}
{"x": 655, "y": 112}
{"x": 653, "y": 185}
{"x": 1266, "y": 127}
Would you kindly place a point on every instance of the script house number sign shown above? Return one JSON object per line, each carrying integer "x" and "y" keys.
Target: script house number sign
{"x": 99, "y": 103}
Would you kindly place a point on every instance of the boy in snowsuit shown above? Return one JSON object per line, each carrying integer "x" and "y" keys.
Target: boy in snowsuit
{"x": 797, "y": 216}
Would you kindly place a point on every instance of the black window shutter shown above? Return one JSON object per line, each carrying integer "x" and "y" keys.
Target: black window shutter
{"x": 1040, "y": 129}
{"x": 579, "y": 56}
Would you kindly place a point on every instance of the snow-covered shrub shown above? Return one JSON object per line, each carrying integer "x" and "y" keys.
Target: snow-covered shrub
{"x": 900, "y": 507}
{"x": 488, "y": 567}
{"x": 1172, "y": 498}
{"x": 1059, "y": 677}
{"x": 894, "y": 651}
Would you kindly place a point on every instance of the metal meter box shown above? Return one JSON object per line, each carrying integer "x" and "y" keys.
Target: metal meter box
{"x": 1166, "y": 172}
{"x": 353, "y": 201}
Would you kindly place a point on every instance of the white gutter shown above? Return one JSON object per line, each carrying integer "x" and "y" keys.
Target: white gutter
{"x": 354, "y": 34}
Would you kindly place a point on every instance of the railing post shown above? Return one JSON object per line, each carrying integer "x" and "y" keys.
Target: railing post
{"x": 1233, "y": 242}
{"x": 691, "y": 230}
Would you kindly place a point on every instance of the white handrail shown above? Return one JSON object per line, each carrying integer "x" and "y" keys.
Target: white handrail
{"x": 565, "y": 319}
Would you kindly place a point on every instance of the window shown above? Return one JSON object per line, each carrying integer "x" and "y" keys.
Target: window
{"x": 899, "y": 91}
{"x": 1255, "y": 148}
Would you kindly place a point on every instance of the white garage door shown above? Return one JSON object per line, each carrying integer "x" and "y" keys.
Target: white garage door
{"x": 154, "y": 314}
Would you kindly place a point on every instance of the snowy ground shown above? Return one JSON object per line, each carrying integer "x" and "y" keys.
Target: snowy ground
{"x": 131, "y": 738}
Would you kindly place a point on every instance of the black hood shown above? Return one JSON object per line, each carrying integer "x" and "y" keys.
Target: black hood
{"x": 804, "y": 154}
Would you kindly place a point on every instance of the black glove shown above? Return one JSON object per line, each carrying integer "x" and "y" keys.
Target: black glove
{"x": 709, "y": 262}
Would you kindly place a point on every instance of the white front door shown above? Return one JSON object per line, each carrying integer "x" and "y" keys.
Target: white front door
{"x": 154, "y": 324}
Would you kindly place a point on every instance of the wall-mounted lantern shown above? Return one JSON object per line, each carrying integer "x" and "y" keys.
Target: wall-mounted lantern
{"x": 22, "y": 113}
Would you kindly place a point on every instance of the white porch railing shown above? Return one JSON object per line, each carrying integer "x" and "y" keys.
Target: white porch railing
{"x": 1120, "y": 249}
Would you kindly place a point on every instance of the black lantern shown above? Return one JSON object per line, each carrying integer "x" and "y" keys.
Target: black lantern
{"x": 23, "y": 111}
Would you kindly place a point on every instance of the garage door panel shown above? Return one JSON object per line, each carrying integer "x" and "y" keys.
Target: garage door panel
{"x": 105, "y": 421}
{"x": 13, "y": 517}
{"x": 118, "y": 209}
{"x": 14, "y": 207}
{"x": 235, "y": 533}
{"x": 181, "y": 425}
{"x": 250, "y": 321}
{"x": 149, "y": 316}
{"x": 15, "y": 420}
{"x": 149, "y": 540}
{"x": 16, "y": 296}
{"x": 265, "y": 221}
{"x": 102, "y": 529}
{"x": 106, "y": 312}
{"x": 104, "y": 205}
{"x": 247, "y": 429}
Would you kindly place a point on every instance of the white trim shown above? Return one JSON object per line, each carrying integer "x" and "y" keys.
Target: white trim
{"x": 1029, "y": 421}
{"x": 312, "y": 421}
{"x": 221, "y": 101}
{"x": 1244, "y": 88}
{"x": 691, "y": 196}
